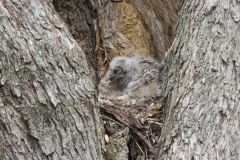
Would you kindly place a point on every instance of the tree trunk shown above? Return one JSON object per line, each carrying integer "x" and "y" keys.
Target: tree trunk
{"x": 204, "y": 99}
{"x": 47, "y": 102}
{"x": 80, "y": 17}
{"x": 47, "y": 76}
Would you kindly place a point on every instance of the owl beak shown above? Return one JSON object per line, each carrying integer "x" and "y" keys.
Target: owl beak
{"x": 111, "y": 76}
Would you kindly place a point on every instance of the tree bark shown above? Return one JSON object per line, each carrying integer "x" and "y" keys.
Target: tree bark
{"x": 204, "y": 100}
{"x": 81, "y": 19}
{"x": 47, "y": 96}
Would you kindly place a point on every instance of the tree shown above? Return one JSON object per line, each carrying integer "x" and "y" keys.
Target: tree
{"x": 48, "y": 101}
{"x": 204, "y": 99}
{"x": 47, "y": 104}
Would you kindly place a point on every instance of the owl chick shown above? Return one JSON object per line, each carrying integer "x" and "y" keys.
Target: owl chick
{"x": 136, "y": 77}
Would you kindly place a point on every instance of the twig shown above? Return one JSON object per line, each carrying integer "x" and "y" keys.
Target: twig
{"x": 114, "y": 121}
{"x": 139, "y": 147}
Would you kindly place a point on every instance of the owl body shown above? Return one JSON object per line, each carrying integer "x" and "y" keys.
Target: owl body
{"x": 137, "y": 77}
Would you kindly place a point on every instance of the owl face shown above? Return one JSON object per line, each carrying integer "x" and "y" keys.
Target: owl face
{"x": 116, "y": 74}
{"x": 117, "y": 69}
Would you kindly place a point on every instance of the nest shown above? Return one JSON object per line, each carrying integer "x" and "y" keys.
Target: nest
{"x": 144, "y": 120}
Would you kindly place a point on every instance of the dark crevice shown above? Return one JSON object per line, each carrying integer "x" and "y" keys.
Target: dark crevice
{"x": 80, "y": 17}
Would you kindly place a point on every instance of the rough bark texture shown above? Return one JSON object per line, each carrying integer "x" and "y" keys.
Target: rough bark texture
{"x": 80, "y": 17}
{"x": 47, "y": 97}
{"x": 204, "y": 98}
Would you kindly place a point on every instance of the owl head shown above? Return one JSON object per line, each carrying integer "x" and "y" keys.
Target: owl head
{"x": 118, "y": 68}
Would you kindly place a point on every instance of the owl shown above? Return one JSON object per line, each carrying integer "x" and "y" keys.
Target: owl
{"x": 134, "y": 77}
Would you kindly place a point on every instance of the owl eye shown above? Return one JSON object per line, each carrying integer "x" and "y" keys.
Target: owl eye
{"x": 116, "y": 70}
